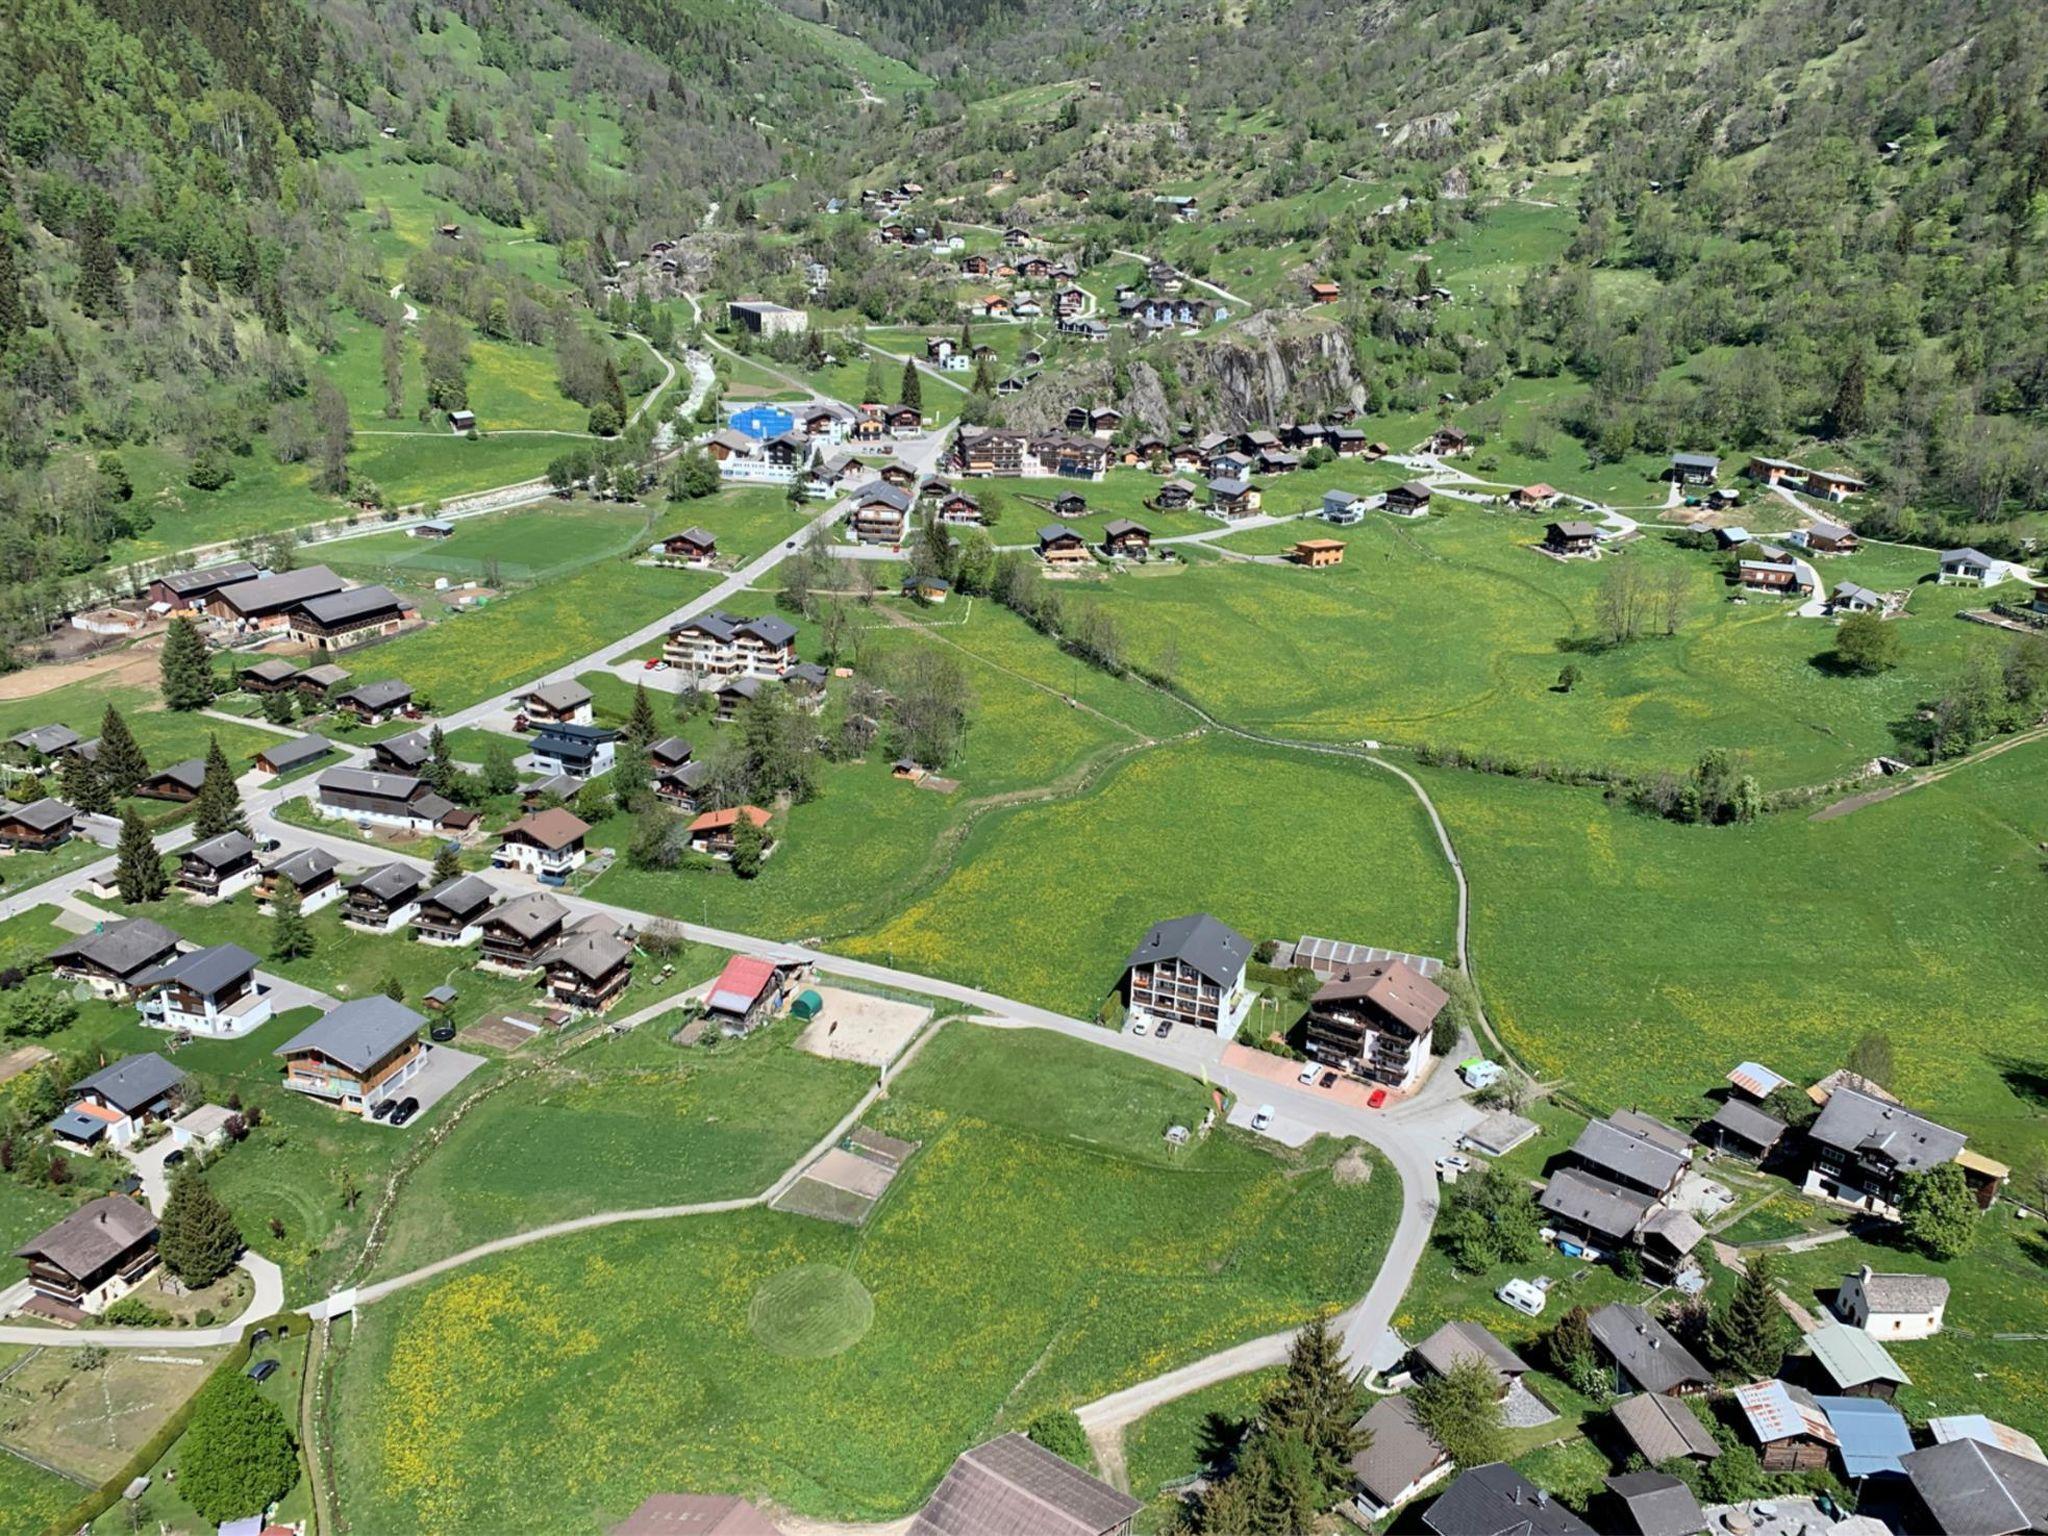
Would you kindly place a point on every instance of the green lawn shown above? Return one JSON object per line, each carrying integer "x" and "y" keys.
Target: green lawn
{"x": 165, "y": 736}
{"x": 31, "y": 1498}
{"x": 1612, "y": 945}
{"x": 1191, "y": 1436}
{"x": 1453, "y": 632}
{"x": 623, "y": 1121}
{"x": 528, "y": 544}
{"x": 748, "y": 519}
{"x": 1013, "y": 1267}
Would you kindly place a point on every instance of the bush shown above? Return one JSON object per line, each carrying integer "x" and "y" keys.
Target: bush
{"x": 237, "y": 1455}
{"x": 134, "y": 1312}
{"x": 1059, "y": 1431}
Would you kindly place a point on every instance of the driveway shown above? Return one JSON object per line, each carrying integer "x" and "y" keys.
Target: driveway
{"x": 148, "y": 1164}
{"x": 445, "y": 1068}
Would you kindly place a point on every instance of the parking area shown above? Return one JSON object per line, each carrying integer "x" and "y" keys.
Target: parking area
{"x": 1347, "y": 1091}
{"x": 1284, "y": 1129}
{"x": 443, "y": 1069}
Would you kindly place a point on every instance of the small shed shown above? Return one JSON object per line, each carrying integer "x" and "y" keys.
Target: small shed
{"x": 808, "y": 1005}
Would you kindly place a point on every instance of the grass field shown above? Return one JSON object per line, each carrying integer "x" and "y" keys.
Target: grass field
{"x": 1192, "y": 1435}
{"x": 1454, "y": 632}
{"x": 89, "y": 1417}
{"x": 529, "y": 544}
{"x": 748, "y": 520}
{"x": 632, "y": 1121}
{"x": 1023, "y": 1260}
{"x": 165, "y": 736}
{"x": 31, "y": 1498}
{"x": 1642, "y": 959}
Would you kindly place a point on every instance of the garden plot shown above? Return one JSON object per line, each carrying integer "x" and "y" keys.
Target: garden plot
{"x": 845, "y": 1182}
{"x": 855, "y": 1026}
{"x": 83, "y": 1413}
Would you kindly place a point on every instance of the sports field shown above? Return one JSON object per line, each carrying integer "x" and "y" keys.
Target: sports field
{"x": 532, "y": 544}
{"x": 1042, "y": 1247}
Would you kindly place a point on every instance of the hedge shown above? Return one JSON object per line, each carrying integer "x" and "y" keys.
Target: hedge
{"x": 151, "y": 1451}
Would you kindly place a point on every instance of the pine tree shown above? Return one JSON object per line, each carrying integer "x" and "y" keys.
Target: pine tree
{"x": 121, "y": 762}
{"x": 184, "y": 674}
{"x": 749, "y": 847}
{"x": 641, "y": 727}
{"x": 138, "y": 870}
{"x": 98, "y": 293}
{"x": 912, "y": 391}
{"x": 447, "y": 863}
{"x": 83, "y": 787}
{"x": 1850, "y": 413}
{"x": 1317, "y": 1403}
{"x": 1751, "y": 1333}
{"x": 13, "y": 313}
{"x": 614, "y": 390}
{"x": 219, "y": 806}
{"x": 291, "y": 938}
{"x": 439, "y": 768}
{"x": 197, "y": 1238}
{"x": 877, "y": 382}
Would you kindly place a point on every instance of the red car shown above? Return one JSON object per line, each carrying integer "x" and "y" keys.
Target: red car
{"x": 1379, "y": 1098}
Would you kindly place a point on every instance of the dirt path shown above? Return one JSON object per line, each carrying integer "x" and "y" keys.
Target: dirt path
{"x": 1934, "y": 776}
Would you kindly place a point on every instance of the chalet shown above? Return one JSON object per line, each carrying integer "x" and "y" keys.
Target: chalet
{"x": 1863, "y": 1146}
{"x": 396, "y": 800}
{"x": 698, "y": 544}
{"x": 1277, "y": 461}
{"x": 1013, "y": 1485}
{"x": 1773, "y": 472}
{"x": 1073, "y": 458}
{"x": 1741, "y": 1129}
{"x": 1850, "y": 598}
{"x": 974, "y": 266}
{"x": 1695, "y": 468}
{"x": 1350, "y": 443}
{"x": 518, "y": 932}
{"x": 1016, "y": 236}
{"x": 682, "y": 784}
{"x": 1643, "y": 1354}
{"x": 732, "y": 696}
{"x": 119, "y": 1103}
{"x": 1850, "y": 1362}
{"x": 726, "y": 444}
{"x": 1789, "y": 1429}
{"x": 903, "y": 418}
{"x": 1234, "y": 498}
{"x": 580, "y": 751}
{"x": 1149, "y": 449}
{"x": 1325, "y": 292}
{"x": 1456, "y": 1343}
{"x": 36, "y": 827}
{"x": 1070, "y": 504}
{"x": 290, "y": 756}
{"x": 1571, "y": 538}
{"x": 402, "y": 754}
{"x": 1189, "y": 970}
{"x": 374, "y": 703}
{"x": 1972, "y": 567}
{"x": 90, "y": 1259}
{"x": 1317, "y": 553}
{"x": 1666, "y": 1241}
{"x": 1661, "y": 1429}
{"x": 1613, "y": 1149}
{"x": 927, "y": 589}
{"x": 1060, "y": 545}
{"x": 1497, "y": 1500}
{"x": 563, "y": 702}
{"x": 1069, "y": 301}
{"x": 272, "y": 676}
{"x": 1892, "y": 1306}
{"x": 312, "y": 872}
{"x": 356, "y": 1055}
{"x": 959, "y": 507}
{"x": 42, "y": 745}
{"x": 1301, "y": 436}
{"x": 181, "y": 782}
{"x": 590, "y": 968}
{"x": 1832, "y": 539}
{"x": 317, "y": 683}
{"x": 1967, "y": 1487}
{"x": 1732, "y": 537}
{"x": 1408, "y": 500}
{"x": 1835, "y": 485}
{"x": 210, "y": 993}
{"x": 1401, "y": 1460}
{"x": 1174, "y": 495}
{"x": 1771, "y": 576}
{"x": 217, "y": 868}
{"x": 548, "y": 844}
{"x": 188, "y": 591}
{"x": 432, "y": 528}
{"x": 337, "y": 621}
{"x": 714, "y": 832}
{"x": 992, "y": 305}
{"x": 1448, "y": 443}
{"x": 453, "y": 912}
{"x": 1343, "y": 507}
{"x": 881, "y": 513}
{"x": 1258, "y": 441}
{"x": 1595, "y": 1213}
{"x": 1534, "y": 498}
{"x": 110, "y": 958}
{"x": 1122, "y": 538}
{"x": 384, "y": 900}
{"x": 765, "y": 319}
{"x": 265, "y": 602}
{"x": 1083, "y": 330}
{"x": 1375, "y": 1021}
{"x": 747, "y": 993}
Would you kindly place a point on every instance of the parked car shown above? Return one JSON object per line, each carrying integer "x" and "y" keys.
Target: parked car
{"x": 383, "y": 1109}
{"x": 1329, "y": 1080}
{"x": 1140, "y": 1027}
{"x": 1262, "y": 1117}
{"x": 174, "y": 1157}
{"x": 1378, "y": 1099}
{"x": 407, "y": 1108}
{"x": 262, "y": 1370}
{"x": 1307, "y": 1074}
{"x": 1165, "y": 1028}
{"x": 1448, "y": 1168}
{"x": 1478, "y": 1072}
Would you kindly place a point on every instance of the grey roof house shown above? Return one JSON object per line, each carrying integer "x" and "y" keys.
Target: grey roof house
{"x": 1644, "y": 1354}
{"x": 1011, "y": 1486}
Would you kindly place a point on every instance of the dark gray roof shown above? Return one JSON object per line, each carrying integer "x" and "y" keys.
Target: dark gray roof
{"x": 530, "y": 915}
{"x": 1014, "y": 1487}
{"x": 209, "y": 577}
{"x": 358, "y": 1034}
{"x": 1052, "y": 531}
{"x": 44, "y": 815}
{"x": 360, "y": 781}
{"x": 190, "y": 774}
{"x": 1697, "y": 460}
{"x": 1400, "y": 1452}
{"x": 1609, "y": 1147}
{"x": 1226, "y": 486}
{"x": 391, "y": 882}
{"x": 304, "y": 865}
{"x": 1973, "y": 1489}
{"x": 1645, "y": 1349}
{"x": 1117, "y": 525}
{"x": 379, "y": 695}
{"x": 888, "y": 495}
{"x": 274, "y": 670}
{"x": 272, "y": 594}
{"x": 1215, "y": 949}
{"x": 218, "y": 852}
{"x": 406, "y": 751}
{"x": 463, "y": 894}
{"x": 590, "y": 955}
{"x": 122, "y": 948}
{"x": 670, "y": 749}
{"x": 205, "y": 971}
{"x": 1496, "y": 1500}
{"x": 340, "y": 607}
{"x": 1663, "y": 1428}
{"x": 132, "y": 1082}
{"x": 91, "y": 1237}
{"x": 1750, "y": 1123}
{"x": 46, "y": 739}
{"x": 1460, "y": 1341}
{"x": 1658, "y": 1504}
{"x": 325, "y": 676}
{"x": 1595, "y": 1203}
{"x": 1854, "y": 1121}
{"x": 296, "y": 753}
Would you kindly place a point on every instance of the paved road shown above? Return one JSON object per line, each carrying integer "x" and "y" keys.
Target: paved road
{"x": 267, "y": 1301}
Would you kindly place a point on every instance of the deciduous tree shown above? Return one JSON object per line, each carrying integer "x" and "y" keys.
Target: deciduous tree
{"x": 237, "y": 1456}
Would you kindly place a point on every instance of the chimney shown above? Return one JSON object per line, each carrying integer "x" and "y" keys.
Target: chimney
{"x": 1866, "y": 1272}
